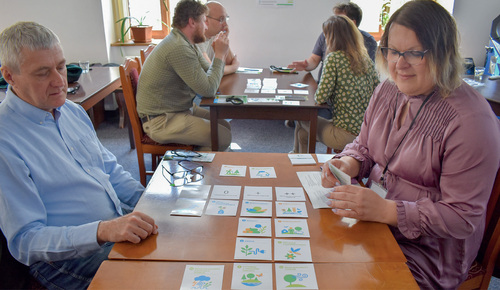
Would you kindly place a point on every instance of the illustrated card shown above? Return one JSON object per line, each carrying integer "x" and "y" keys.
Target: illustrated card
{"x": 301, "y": 159}
{"x": 300, "y": 276}
{"x": 256, "y": 208}
{"x": 233, "y": 170}
{"x": 299, "y": 85}
{"x": 258, "y": 193}
{"x": 195, "y": 191}
{"x": 255, "y": 227}
{"x": 253, "y": 249}
{"x": 290, "y": 194}
{"x": 226, "y": 192}
{"x": 292, "y": 250}
{"x": 252, "y": 276}
{"x": 291, "y": 228}
{"x": 291, "y": 209}
{"x": 301, "y": 92}
{"x": 188, "y": 207}
{"x": 203, "y": 277}
{"x": 262, "y": 172}
{"x": 222, "y": 207}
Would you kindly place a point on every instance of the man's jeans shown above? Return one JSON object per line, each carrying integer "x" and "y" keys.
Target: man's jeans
{"x": 70, "y": 274}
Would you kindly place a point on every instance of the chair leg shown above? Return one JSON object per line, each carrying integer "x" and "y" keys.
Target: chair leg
{"x": 328, "y": 150}
{"x": 142, "y": 167}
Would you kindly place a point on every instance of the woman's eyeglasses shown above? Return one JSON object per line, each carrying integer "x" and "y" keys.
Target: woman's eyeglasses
{"x": 413, "y": 57}
{"x": 187, "y": 173}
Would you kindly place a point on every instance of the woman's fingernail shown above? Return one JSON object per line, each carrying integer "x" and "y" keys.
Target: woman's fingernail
{"x": 334, "y": 210}
{"x": 329, "y": 202}
{"x": 337, "y": 184}
{"x": 327, "y": 194}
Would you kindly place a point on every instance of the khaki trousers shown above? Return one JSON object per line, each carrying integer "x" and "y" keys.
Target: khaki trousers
{"x": 191, "y": 127}
{"x": 328, "y": 134}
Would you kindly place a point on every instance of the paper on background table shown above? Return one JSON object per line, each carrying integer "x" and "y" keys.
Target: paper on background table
{"x": 322, "y": 158}
{"x": 203, "y": 277}
{"x": 248, "y": 70}
{"x": 252, "y": 276}
{"x": 311, "y": 181}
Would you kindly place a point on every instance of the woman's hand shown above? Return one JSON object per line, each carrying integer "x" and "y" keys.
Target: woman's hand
{"x": 346, "y": 164}
{"x": 363, "y": 204}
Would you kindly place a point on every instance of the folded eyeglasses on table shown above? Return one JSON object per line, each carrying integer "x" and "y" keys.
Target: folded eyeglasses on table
{"x": 186, "y": 172}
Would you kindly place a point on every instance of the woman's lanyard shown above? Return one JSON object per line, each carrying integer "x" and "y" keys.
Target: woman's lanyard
{"x": 382, "y": 181}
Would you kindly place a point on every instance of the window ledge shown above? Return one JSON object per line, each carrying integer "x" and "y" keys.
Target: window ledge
{"x": 131, "y": 43}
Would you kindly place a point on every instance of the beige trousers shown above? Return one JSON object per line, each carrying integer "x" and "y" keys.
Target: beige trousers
{"x": 191, "y": 127}
{"x": 328, "y": 134}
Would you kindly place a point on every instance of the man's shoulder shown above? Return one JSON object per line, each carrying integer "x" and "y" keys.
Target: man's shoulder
{"x": 367, "y": 36}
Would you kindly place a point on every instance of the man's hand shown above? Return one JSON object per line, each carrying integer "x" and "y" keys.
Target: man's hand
{"x": 133, "y": 227}
{"x": 221, "y": 45}
{"x": 299, "y": 65}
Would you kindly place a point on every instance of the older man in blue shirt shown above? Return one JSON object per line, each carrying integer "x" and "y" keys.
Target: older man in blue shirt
{"x": 61, "y": 191}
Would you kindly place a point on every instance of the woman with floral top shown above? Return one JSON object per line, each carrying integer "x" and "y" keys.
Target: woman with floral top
{"x": 347, "y": 83}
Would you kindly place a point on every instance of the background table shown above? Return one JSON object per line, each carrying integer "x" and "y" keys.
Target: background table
{"x": 235, "y": 84}
{"x": 491, "y": 91}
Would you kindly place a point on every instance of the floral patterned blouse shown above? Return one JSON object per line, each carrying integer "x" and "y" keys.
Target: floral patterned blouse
{"x": 347, "y": 94}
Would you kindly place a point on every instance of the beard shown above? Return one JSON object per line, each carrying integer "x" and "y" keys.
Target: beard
{"x": 199, "y": 37}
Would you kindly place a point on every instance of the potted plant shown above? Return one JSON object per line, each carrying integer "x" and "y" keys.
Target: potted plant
{"x": 140, "y": 33}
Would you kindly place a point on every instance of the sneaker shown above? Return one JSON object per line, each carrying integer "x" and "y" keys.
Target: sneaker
{"x": 290, "y": 123}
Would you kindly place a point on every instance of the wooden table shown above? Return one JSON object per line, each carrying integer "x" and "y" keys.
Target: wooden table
{"x": 235, "y": 84}
{"x": 94, "y": 87}
{"x": 366, "y": 252}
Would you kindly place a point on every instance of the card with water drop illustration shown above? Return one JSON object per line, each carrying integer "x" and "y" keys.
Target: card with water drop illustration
{"x": 202, "y": 277}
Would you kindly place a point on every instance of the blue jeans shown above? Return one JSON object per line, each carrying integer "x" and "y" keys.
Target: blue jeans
{"x": 70, "y": 274}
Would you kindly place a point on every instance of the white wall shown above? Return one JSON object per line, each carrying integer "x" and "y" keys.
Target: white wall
{"x": 260, "y": 36}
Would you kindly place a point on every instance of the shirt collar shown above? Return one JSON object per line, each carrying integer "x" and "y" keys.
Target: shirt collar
{"x": 30, "y": 112}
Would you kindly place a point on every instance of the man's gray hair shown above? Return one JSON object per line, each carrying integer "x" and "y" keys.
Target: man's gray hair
{"x": 29, "y": 35}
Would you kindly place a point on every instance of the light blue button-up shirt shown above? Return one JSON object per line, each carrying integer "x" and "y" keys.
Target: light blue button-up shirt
{"x": 57, "y": 182}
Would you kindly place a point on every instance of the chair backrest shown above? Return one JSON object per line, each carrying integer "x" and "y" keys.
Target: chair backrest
{"x": 146, "y": 52}
{"x": 129, "y": 76}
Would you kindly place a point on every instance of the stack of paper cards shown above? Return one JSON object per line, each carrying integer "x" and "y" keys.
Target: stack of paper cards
{"x": 311, "y": 181}
{"x": 258, "y": 193}
{"x": 291, "y": 209}
{"x": 233, "y": 170}
{"x": 292, "y": 250}
{"x": 222, "y": 207}
{"x": 295, "y": 276}
{"x": 262, "y": 172}
{"x": 342, "y": 177}
{"x": 189, "y": 207}
{"x": 203, "y": 277}
{"x": 226, "y": 192}
{"x": 253, "y": 249}
{"x": 256, "y": 208}
{"x": 301, "y": 92}
{"x": 291, "y": 228}
{"x": 252, "y": 276}
{"x": 290, "y": 194}
{"x": 254, "y": 227}
{"x": 301, "y": 159}
{"x": 195, "y": 191}
{"x": 286, "y": 92}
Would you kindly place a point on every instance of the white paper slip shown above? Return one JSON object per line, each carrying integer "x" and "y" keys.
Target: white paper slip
{"x": 286, "y": 92}
{"x": 262, "y": 100}
{"x": 292, "y": 250}
{"x": 299, "y": 85}
{"x": 248, "y": 70}
{"x": 295, "y": 276}
{"x": 262, "y": 172}
{"x": 322, "y": 158}
{"x": 291, "y": 209}
{"x": 290, "y": 194}
{"x": 252, "y": 91}
{"x": 291, "y": 103}
{"x": 268, "y": 91}
{"x": 291, "y": 228}
{"x": 195, "y": 191}
{"x": 254, "y": 227}
{"x": 301, "y": 159}
{"x": 252, "y": 276}
{"x": 301, "y": 92}
{"x": 188, "y": 207}
{"x": 222, "y": 207}
{"x": 258, "y": 193}
{"x": 202, "y": 277}
{"x": 226, "y": 192}
{"x": 233, "y": 170}
{"x": 311, "y": 181}
{"x": 253, "y": 249}
{"x": 343, "y": 178}
{"x": 256, "y": 208}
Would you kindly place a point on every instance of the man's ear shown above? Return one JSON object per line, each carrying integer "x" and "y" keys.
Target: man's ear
{"x": 7, "y": 75}
{"x": 191, "y": 22}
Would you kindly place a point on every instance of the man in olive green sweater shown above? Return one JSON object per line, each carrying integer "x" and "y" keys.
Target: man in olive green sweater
{"x": 173, "y": 74}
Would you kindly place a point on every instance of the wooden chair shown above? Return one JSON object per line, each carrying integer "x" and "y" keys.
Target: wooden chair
{"x": 129, "y": 75}
{"x": 145, "y": 52}
{"x": 482, "y": 269}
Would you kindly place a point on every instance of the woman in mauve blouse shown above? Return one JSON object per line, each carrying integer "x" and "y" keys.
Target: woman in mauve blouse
{"x": 430, "y": 143}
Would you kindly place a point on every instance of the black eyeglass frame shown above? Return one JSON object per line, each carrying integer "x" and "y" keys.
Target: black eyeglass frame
{"x": 234, "y": 100}
{"x": 185, "y": 153}
{"x": 416, "y": 53}
{"x": 221, "y": 19}
{"x": 185, "y": 175}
